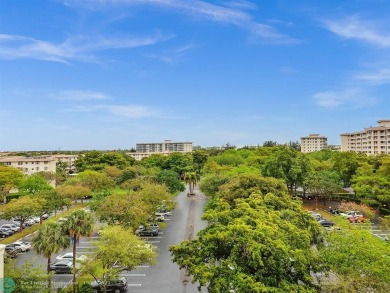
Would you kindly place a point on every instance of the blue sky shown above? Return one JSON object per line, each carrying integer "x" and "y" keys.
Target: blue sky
{"x": 106, "y": 74}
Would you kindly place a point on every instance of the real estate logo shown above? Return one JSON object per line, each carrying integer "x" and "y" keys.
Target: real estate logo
{"x": 7, "y": 285}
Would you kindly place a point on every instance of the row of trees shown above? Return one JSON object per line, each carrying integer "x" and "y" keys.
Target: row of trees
{"x": 260, "y": 240}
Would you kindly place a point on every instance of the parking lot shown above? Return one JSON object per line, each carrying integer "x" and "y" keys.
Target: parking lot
{"x": 165, "y": 276}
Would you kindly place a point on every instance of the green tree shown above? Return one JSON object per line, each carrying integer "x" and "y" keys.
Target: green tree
{"x": 346, "y": 165}
{"x": 179, "y": 162}
{"x": 118, "y": 249}
{"x": 9, "y": 178}
{"x": 97, "y": 161}
{"x": 61, "y": 172}
{"x": 199, "y": 158}
{"x": 322, "y": 184}
{"x": 73, "y": 192}
{"x": 34, "y": 183}
{"x": 171, "y": 180}
{"x": 358, "y": 258}
{"x": 49, "y": 239}
{"x": 125, "y": 210}
{"x": 288, "y": 164}
{"x": 78, "y": 224}
{"x": 259, "y": 245}
{"x": 22, "y": 208}
{"x": 93, "y": 180}
{"x": 27, "y": 277}
{"x": 191, "y": 179}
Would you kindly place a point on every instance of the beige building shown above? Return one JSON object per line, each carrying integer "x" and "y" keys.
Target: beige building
{"x": 31, "y": 165}
{"x": 313, "y": 143}
{"x": 144, "y": 150}
{"x": 371, "y": 140}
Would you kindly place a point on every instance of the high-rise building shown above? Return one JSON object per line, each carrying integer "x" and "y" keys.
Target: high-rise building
{"x": 313, "y": 143}
{"x": 144, "y": 150}
{"x": 371, "y": 140}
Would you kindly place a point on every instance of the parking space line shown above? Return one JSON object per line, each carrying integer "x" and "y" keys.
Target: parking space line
{"x": 133, "y": 275}
{"x": 134, "y": 285}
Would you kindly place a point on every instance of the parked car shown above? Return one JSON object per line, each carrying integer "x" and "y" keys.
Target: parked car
{"x": 62, "y": 267}
{"x": 24, "y": 246}
{"x": 357, "y": 219}
{"x": 11, "y": 226}
{"x": 315, "y": 215}
{"x": 69, "y": 256}
{"x": 326, "y": 223}
{"x": 6, "y": 231}
{"x": 154, "y": 226}
{"x": 116, "y": 286}
{"x": 11, "y": 252}
{"x": 3, "y": 234}
{"x": 62, "y": 220}
{"x": 164, "y": 212}
{"x": 10, "y": 247}
{"x": 159, "y": 218}
{"x": 143, "y": 231}
{"x": 45, "y": 216}
{"x": 16, "y": 222}
{"x": 334, "y": 211}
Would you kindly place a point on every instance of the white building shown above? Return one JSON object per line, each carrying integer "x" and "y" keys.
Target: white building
{"x": 31, "y": 165}
{"x": 144, "y": 150}
{"x": 371, "y": 140}
{"x": 313, "y": 143}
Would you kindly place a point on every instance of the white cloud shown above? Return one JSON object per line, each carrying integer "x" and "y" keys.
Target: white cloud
{"x": 80, "y": 95}
{"x": 126, "y": 111}
{"x": 354, "y": 28}
{"x": 348, "y": 98}
{"x": 131, "y": 111}
{"x": 74, "y": 48}
{"x": 233, "y": 14}
{"x": 378, "y": 77}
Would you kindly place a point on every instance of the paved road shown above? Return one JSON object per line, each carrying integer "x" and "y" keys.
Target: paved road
{"x": 165, "y": 276}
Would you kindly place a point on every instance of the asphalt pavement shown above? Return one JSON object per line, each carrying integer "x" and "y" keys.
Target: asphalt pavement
{"x": 165, "y": 276}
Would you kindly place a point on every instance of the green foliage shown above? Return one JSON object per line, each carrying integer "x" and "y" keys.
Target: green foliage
{"x": 22, "y": 208}
{"x": 9, "y": 178}
{"x": 27, "y": 277}
{"x": 118, "y": 249}
{"x": 358, "y": 256}
{"x": 93, "y": 180}
{"x": 257, "y": 245}
{"x": 50, "y": 239}
{"x": 97, "y": 161}
{"x": 34, "y": 183}
{"x": 171, "y": 180}
{"x": 288, "y": 164}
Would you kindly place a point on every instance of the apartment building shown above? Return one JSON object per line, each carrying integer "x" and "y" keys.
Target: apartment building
{"x": 371, "y": 140}
{"x": 31, "y": 165}
{"x": 313, "y": 143}
{"x": 144, "y": 150}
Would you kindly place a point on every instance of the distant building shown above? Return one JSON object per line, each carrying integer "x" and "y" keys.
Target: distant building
{"x": 371, "y": 140}
{"x": 144, "y": 150}
{"x": 313, "y": 143}
{"x": 31, "y": 165}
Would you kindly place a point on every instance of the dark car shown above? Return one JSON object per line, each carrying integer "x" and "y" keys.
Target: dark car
{"x": 326, "y": 223}
{"x": 334, "y": 211}
{"x": 116, "y": 286}
{"x": 12, "y": 246}
{"x": 11, "y": 251}
{"x": 62, "y": 267}
{"x": 143, "y": 231}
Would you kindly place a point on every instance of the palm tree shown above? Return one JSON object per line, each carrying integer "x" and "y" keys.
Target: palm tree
{"x": 191, "y": 179}
{"x": 78, "y": 224}
{"x": 48, "y": 240}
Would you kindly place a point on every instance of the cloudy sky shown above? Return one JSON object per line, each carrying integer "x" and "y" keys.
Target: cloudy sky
{"x": 106, "y": 74}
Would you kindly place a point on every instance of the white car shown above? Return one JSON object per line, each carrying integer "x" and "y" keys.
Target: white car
{"x": 69, "y": 256}
{"x": 23, "y": 246}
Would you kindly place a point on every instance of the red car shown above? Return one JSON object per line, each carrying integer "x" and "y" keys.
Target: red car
{"x": 356, "y": 219}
